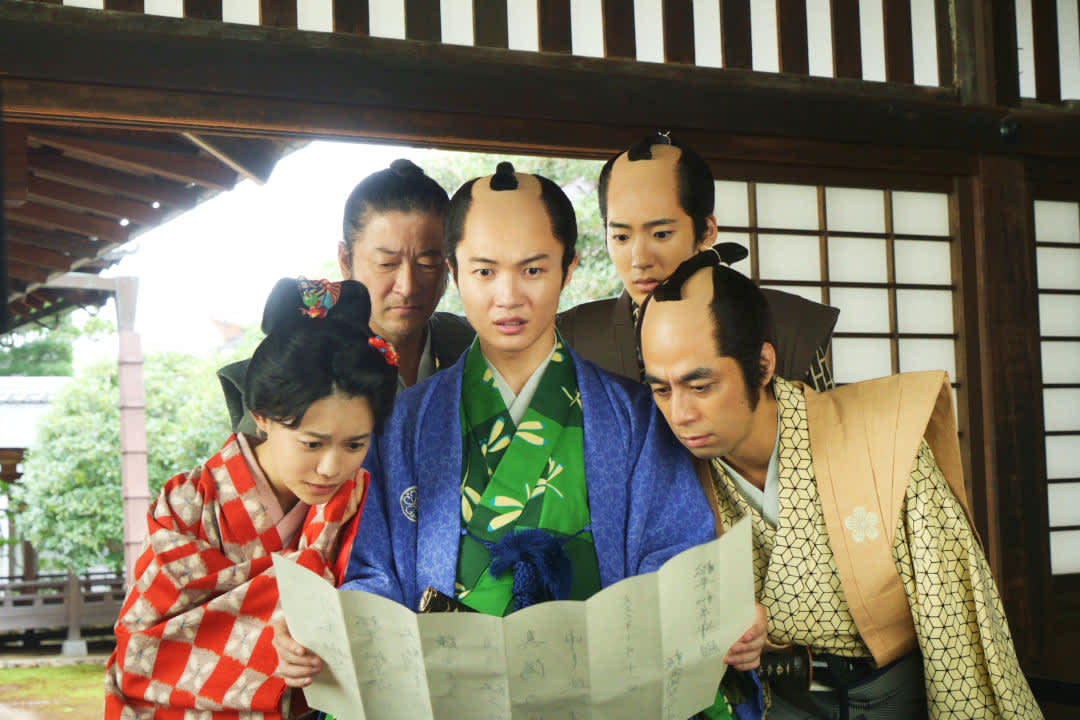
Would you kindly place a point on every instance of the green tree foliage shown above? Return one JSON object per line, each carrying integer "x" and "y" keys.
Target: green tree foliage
{"x": 595, "y": 276}
{"x": 69, "y": 495}
{"x": 45, "y": 351}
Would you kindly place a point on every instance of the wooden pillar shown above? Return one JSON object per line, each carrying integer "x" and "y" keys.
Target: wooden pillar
{"x": 133, "y": 471}
{"x": 74, "y": 645}
{"x": 1008, "y": 367}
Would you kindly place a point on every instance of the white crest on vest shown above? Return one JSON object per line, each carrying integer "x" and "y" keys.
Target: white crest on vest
{"x": 408, "y": 503}
{"x": 862, "y": 524}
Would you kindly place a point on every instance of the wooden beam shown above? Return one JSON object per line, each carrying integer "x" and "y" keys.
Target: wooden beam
{"x": 943, "y": 29}
{"x": 735, "y": 33}
{"x": 379, "y": 88}
{"x": 678, "y": 20}
{"x": 351, "y": 17}
{"x": 62, "y": 242}
{"x": 38, "y": 256}
{"x": 15, "y": 172}
{"x": 202, "y": 9}
{"x": 50, "y": 192}
{"x": 490, "y": 24}
{"x": 899, "y": 60}
{"x": 140, "y": 160}
{"x": 55, "y": 218}
{"x": 553, "y": 17}
{"x": 277, "y": 13}
{"x": 26, "y": 272}
{"x": 847, "y": 47}
{"x": 619, "y": 38}
{"x": 791, "y": 35}
{"x": 1012, "y": 413}
{"x": 987, "y": 67}
{"x": 252, "y": 158}
{"x": 422, "y": 20}
{"x": 1044, "y": 26}
{"x": 135, "y": 6}
{"x": 94, "y": 177}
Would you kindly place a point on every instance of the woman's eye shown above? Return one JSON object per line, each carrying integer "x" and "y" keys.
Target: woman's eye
{"x": 312, "y": 444}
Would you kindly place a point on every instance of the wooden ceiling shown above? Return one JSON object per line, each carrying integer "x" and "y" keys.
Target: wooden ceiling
{"x": 73, "y": 195}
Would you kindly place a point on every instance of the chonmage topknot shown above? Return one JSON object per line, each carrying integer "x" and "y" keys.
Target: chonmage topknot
{"x": 504, "y": 178}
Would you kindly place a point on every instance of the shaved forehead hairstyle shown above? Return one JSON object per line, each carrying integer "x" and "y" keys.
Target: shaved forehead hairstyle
{"x": 742, "y": 322}
{"x": 559, "y": 209}
{"x": 697, "y": 194}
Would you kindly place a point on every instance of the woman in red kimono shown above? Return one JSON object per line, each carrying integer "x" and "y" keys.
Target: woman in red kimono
{"x": 194, "y": 634}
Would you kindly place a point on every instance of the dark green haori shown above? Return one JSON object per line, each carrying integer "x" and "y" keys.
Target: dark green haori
{"x": 529, "y": 476}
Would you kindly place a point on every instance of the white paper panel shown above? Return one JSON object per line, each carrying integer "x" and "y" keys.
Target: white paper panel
{"x": 1068, "y": 13}
{"x": 857, "y": 359}
{"x": 787, "y": 206}
{"x": 649, "y": 30}
{"x": 919, "y": 213}
{"x": 1025, "y": 41}
{"x": 855, "y": 210}
{"x": 1062, "y": 456}
{"x": 91, "y": 4}
{"x": 872, "y": 37}
{"x": 708, "y": 49}
{"x": 586, "y": 28}
{"x": 1057, "y": 222}
{"x": 924, "y": 42}
{"x": 1061, "y": 362}
{"x": 523, "y": 26}
{"x": 857, "y": 260}
{"x": 917, "y": 354}
{"x": 1064, "y": 501}
{"x": 923, "y": 261}
{"x": 1065, "y": 552}
{"x": 765, "y": 53}
{"x": 386, "y": 18}
{"x": 731, "y": 203}
{"x": 788, "y": 257}
{"x": 810, "y": 292}
{"x": 1059, "y": 315}
{"x": 1058, "y": 268}
{"x": 175, "y": 8}
{"x": 456, "y": 22}
{"x": 861, "y": 310}
{"x": 743, "y": 239}
{"x": 1061, "y": 407}
{"x": 924, "y": 311}
{"x": 316, "y": 15}
{"x": 819, "y": 38}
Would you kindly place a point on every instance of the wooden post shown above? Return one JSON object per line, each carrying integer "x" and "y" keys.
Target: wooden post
{"x": 74, "y": 646}
{"x": 1009, "y": 370}
{"x": 133, "y": 472}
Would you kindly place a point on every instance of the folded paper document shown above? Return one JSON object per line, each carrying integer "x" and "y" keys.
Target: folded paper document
{"x": 650, "y": 646}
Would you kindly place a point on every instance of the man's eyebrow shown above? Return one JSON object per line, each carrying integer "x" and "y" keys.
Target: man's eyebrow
{"x": 534, "y": 258}
{"x": 387, "y": 251}
{"x": 648, "y": 224}
{"x": 652, "y": 380}
{"x": 698, "y": 373}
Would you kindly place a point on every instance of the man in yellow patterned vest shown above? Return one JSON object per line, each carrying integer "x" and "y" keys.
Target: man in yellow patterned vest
{"x": 864, "y": 552}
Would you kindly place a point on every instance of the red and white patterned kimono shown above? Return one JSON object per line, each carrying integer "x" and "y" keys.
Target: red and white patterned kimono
{"x": 193, "y": 640}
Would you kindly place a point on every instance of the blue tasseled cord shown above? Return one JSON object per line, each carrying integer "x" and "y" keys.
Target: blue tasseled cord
{"x": 542, "y": 571}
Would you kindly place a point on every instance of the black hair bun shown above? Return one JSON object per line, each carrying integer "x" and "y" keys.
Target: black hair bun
{"x": 285, "y": 306}
{"x": 353, "y": 307}
{"x": 406, "y": 168}
{"x": 504, "y": 178}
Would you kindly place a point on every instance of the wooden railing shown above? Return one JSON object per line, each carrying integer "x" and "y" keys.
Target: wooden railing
{"x": 58, "y": 601}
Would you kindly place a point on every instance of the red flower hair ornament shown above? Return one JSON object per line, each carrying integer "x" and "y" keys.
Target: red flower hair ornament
{"x": 388, "y": 351}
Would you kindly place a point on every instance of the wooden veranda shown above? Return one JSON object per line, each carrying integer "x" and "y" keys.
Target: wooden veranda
{"x": 986, "y": 128}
